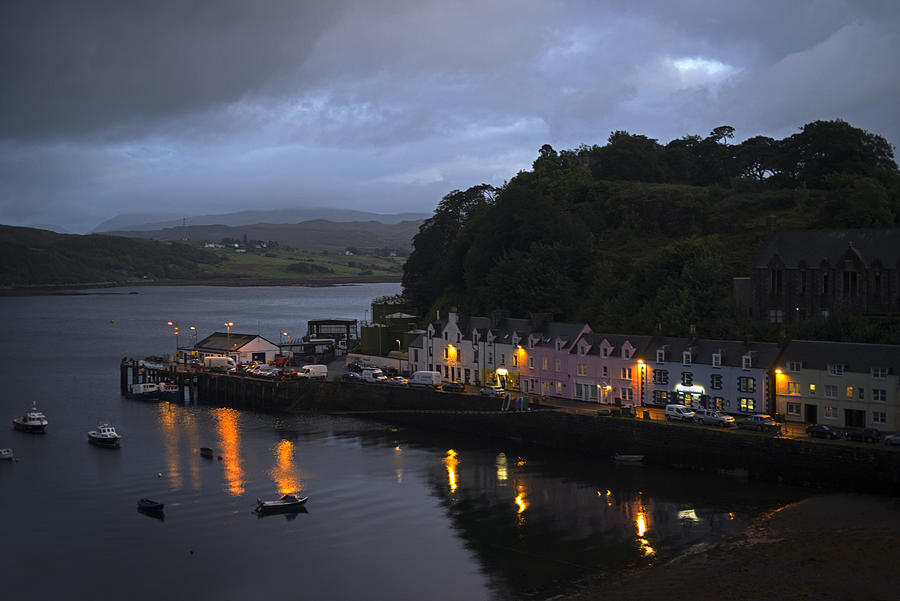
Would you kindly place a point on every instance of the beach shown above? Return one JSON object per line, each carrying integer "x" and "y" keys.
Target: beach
{"x": 825, "y": 547}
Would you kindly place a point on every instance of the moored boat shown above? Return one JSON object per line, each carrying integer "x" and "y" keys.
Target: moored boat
{"x": 104, "y": 436}
{"x": 619, "y": 458}
{"x": 150, "y": 505}
{"x": 32, "y": 421}
{"x": 206, "y": 452}
{"x": 6, "y": 454}
{"x": 285, "y": 503}
{"x": 167, "y": 391}
{"x": 145, "y": 391}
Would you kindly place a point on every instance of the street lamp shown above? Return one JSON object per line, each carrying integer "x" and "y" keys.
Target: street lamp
{"x": 174, "y": 325}
{"x": 228, "y": 325}
{"x": 281, "y": 338}
{"x": 399, "y": 357}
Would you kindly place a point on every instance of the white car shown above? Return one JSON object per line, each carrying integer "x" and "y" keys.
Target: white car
{"x": 892, "y": 439}
{"x": 711, "y": 417}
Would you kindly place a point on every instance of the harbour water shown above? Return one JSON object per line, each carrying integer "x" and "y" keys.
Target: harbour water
{"x": 393, "y": 513}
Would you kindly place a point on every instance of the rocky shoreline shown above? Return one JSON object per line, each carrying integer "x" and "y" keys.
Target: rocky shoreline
{"x": 832, "y": 546}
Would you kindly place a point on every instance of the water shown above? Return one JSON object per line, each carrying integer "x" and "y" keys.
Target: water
{"x": 393, "y": 513}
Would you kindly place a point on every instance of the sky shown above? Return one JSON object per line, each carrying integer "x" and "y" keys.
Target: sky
{"x": 191, "y": 107}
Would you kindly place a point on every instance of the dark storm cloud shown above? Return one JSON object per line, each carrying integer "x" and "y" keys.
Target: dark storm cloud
{"x": 111, "y": 107}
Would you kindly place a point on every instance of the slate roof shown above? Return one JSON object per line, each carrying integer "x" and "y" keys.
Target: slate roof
{"x": 814, "y": 246}
{"x": 595, "y": 339}
{"x": 702, "y": 350}
{"x": 856, "y": 357}
{"x": 222, "y": 341}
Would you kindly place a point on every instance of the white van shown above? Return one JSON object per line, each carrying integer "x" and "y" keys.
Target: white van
{"x": 373, "y": 375}
{"x": 313, "y": 372}
{"x": 426, "y": 379}
{"x": 679, "y": 413}
{"x": 218, "y": 362}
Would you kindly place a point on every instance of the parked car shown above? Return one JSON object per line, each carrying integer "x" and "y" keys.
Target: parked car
{"x": 892, "y": 439}
{"x": 680, "y": 413}
{"x": 351, "y": 376}
{"x": 711, "y": 417}
{"x": 761, "y": 423}
{"x": 452, "y": 387}
{"x": 823, "y": 431}
{"x": 864, "y": 435}
{"x": 397, "y": 381}
{"x": 491, "y": 391}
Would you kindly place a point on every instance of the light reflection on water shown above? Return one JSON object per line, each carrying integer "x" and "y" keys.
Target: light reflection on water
{"x": 284, "y": 472}
{"x": 229, "y": 430}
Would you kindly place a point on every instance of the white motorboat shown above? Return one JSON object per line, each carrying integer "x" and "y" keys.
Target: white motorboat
{"x": 145, "y": 391}
{"x": 104, "y": 436}
{"x": 6, "y": 454}
{"x": 32, "y": 421}
{"x": 619, "y": 458}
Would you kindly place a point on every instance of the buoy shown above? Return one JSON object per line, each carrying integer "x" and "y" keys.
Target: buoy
{"x": 112, "y": 321}
{"x": 220, "y": 458}
{"x": 159, "y": 474}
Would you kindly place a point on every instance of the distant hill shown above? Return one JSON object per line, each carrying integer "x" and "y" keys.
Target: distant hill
{"x": 159, "y": 221}
{"x": 318, "y": 234}
{"x": 33, "y": 257}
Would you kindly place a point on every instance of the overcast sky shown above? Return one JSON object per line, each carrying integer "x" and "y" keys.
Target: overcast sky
{"x": 192, "y": 107}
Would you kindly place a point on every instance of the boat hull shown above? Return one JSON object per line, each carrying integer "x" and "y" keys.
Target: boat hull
{"x": 103, "y": 442}
{"x": 31, "y": 428}
{"x": 269, "y": 507}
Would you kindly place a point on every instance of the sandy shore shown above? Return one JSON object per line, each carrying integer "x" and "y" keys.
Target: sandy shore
{"x": 835, "y": 546}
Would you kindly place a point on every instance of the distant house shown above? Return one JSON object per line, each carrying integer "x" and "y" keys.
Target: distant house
{"x": 841, "y": 384}
{"x": 244, "y": 348}
{"x": 803, "y": 274}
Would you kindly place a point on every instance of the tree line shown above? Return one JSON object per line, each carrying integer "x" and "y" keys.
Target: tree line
{"x": 636, "y": 236}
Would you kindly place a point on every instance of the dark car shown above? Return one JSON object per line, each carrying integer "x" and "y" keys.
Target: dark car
{"x": 823, "y": 431}
{"x": 351, "y": 376}
{"x": 452, "y": 387}
{"x": 864, "y": 435}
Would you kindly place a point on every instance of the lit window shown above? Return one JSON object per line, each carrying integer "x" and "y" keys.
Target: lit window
{"x": 850, "y": 392}
{"x": 557, "y": 364}
{"x": 545, "y": 363}
{"x": 812, "y": 390}
{"x": 747, "y": 404}
{"x": 793, "y": 387}
{"x": 626, "y": 373}
{"x": 558, "y": 387}
{"x": 746, "y": 384}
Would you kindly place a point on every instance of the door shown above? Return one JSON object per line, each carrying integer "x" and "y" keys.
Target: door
{"x": 811, "y": 414}
{"x": 854, "y": 418}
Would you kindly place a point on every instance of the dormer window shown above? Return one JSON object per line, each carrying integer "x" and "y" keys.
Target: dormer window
{"x": 717, "y": 360}
{"x": 686, "y": 358}
{"x": 660, "y": 355}
{"x": 626, "y": 353}
{"x": 458, "y": 337}
{"x": 747, "y": 361}
{"x": 531, "y": 343}
{"x": 605, "y": 352}
{"x": 446, "y": 336}
{"x": 558, "y": 346}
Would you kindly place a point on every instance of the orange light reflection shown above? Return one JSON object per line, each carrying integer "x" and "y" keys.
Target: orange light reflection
{"x": 228, "y": 428}
{"x": 167, "y": 420}
{"x": 451, "y": 462}
{"x": 284, "y": 473}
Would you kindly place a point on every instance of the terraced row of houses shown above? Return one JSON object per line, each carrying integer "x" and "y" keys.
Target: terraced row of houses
{"x": 842, "y": 384}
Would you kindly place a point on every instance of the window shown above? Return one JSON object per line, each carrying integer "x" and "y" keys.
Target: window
{"x": 593, "y": 393}
{"x": 515, "y": 359}
{"x": 558, "y": 346}
{"x": 879, "y": 417}
{"x": 604, "y": 371}
{"x": 717, "y": 360}
{"x": 415, "y": 355}
{"x": 660, "y": 397}
{"x": 795, "y": 366}
{"x": 490, "y": 358}
{"x": 793, "y": 387}
{"x": 445, "y": 336}
{"x": 502, "y": 359}
{"x": 793, "y": 409}
{"x": 812, "y": 390}
{"x": 558, "y": 387}
{"x": 660, "y": 355}
{"x": 459, "y": 355}
{"x": 747, "y": 361}
{"x": 861, "y": 393}
{"x": 879, "y": 373}
{"x": 446, "y": 353}
{"x": 746, "y": 384}
{"x": 545, "y": 363}
{"x": 604, "y": 352}
{"x": 715, "y": 382}
{"x": 581, "y": 351}
{"x": 830, "y": 412}
{"x": 581, "y": 369}
{"x": 557, "y": 365}
{"x": 686, "y": 358}
{"x": 626, "y": 353}
{"x": 531, "y": 362}
{"x": 747, "y": 404}
{"x": 776, "y": 316}
{"x": 446, "y": 372}
{"x": 627, "y": 394}
{"x": 660, "y": 376}
{"x": 626, "y": 373}
{"x": 531, "y": 343}
{"x": 687, "y": 378}
{"x": 830, "y": 391}
{"x": 850, "y": 392}
{"x": 835, "y": 369}
{"x": 879, "y": 394}
{"x": 430, "y": 351}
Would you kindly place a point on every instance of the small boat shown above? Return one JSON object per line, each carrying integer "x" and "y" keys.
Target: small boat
{"x": 146, "y": 391}
{"x": 6, "y": 454}
{"x": 32, "y": 421}
{"x": 206, "y": 452}
{"x": 149, "y": 505}
{"x": 104, "y": 436}
{"x": 628, "y": 458}
{"x": 285, "y": 503}
{"x": 168, "y": 391}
